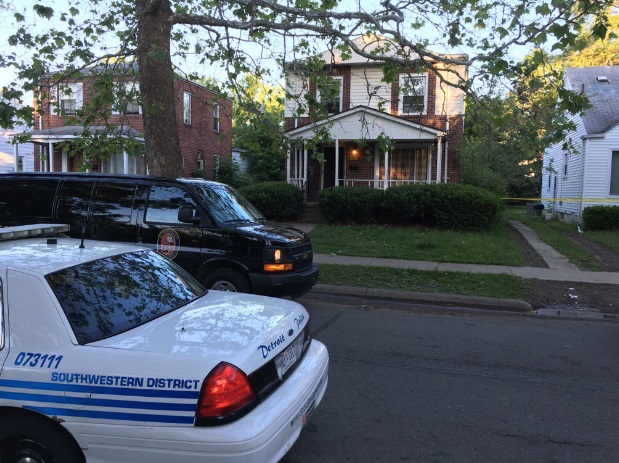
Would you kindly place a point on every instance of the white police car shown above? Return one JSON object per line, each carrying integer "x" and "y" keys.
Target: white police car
{"x": 111, "y": 353}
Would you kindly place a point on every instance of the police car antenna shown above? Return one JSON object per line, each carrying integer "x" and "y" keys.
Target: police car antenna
{"x": 83, "y": 229}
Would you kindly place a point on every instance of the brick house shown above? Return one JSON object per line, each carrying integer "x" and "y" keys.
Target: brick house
{"x": 420, "y": 114}
{"x": 204, "y": 127}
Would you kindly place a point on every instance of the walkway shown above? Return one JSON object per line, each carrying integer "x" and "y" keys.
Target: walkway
{"x": 560, "y": 269}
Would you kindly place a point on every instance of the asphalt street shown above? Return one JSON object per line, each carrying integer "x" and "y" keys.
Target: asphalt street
{"x": 461, "y": 386}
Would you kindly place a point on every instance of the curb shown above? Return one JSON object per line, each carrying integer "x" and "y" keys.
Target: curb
{"x": 435, "y": 299}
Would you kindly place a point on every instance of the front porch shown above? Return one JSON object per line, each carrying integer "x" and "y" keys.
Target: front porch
{"x": 51, "y": 152}
{"x": 418, "y": 153}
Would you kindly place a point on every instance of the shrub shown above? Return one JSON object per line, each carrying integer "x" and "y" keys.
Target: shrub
{"x": 601, "y": 218}
{"x": 350, "y": 204}
{"x": 229, "y": 172}
{"x": 451, "y": 206}
{"x": 276, "y": 200}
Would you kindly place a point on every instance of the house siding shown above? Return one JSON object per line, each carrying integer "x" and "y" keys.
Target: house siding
{"x": 588, "y": 175}
{"x": 367, "y": 88}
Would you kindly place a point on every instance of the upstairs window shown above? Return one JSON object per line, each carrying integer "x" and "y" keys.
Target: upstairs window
{"x": 413, "y": 94}
{"x": 329, "y": 94}
{"x": 216, "y": 117}
{"x": 127, "y": 99}
{"x": 66, "y": 99}
{"x": 187, "y": 108}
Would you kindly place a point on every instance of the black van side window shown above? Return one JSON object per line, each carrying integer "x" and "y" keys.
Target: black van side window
{"x": 73, "y": 201}
{"x": 114, "y": 202}
{"x": 26, "y": 201}
{"x": 164, "y": 203}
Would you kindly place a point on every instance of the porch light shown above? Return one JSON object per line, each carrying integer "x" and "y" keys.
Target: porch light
{"x": 354, "y": 154}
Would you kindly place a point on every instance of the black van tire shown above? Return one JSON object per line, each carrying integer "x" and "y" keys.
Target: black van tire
{"x": 226, "y": 279}
{"x": 26, "y": 437}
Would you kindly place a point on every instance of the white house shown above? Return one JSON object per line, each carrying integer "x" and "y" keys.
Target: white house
{"x": 13, "y": 158}
{"x": 586, "y": 171}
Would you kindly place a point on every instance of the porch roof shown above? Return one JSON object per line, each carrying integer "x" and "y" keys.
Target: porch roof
{"x": 70, "y": 132}
{"x": 362, "y": 122}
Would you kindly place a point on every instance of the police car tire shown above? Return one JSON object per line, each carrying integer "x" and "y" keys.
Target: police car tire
{"x": 28, "y": 435}
{"x": 226, "y": 279}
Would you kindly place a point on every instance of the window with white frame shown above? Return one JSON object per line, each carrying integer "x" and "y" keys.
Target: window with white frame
{"x": 127, "y": 99}
{"x": 330, "y": 94}
{"x": 413, "y": 93}
{"x": 216, "y": 117}
{"x": 187, "y": 108}
{"x": 614, "y": 174}
{"x": 66, "y": 99}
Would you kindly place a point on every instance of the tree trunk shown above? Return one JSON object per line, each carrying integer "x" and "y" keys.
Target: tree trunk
{"x": 163, "y": 152}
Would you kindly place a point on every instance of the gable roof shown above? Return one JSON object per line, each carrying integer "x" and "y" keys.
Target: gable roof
{"x": 366, "y": 123}
{"x": 603, "y": 95}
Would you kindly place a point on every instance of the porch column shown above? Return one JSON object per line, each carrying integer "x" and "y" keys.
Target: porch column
{"x": 65, "y": 161}
{"x": 50, "y": 157}
{"x": 125, "y": 163}
{"x": 288, "y": 165}
{"x": 439, "y": 160}
{"x": 386, "y": 176}
{"x": 337, "y": 162}
{"x": 15, "y": 157}
{"x": 305, "y": 168}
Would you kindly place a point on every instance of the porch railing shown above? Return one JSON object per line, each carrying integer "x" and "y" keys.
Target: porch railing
{"x": 381, "y": 183}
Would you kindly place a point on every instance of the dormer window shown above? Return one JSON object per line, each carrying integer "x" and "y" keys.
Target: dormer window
{"x": 413, "y": 93}
{"x": 329, "y": 94}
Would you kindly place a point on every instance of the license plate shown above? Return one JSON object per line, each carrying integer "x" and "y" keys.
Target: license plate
{"x": 285, "y": 360}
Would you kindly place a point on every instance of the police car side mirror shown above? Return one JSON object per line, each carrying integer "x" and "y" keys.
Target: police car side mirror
{"x": 186, "y": 214}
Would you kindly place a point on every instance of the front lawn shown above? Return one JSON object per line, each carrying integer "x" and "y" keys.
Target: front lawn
{"x": 494, "y": 247}
{"x": 505, "y": 286}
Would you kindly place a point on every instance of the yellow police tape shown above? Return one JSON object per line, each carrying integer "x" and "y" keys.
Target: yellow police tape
{"x": 566, "y": 200}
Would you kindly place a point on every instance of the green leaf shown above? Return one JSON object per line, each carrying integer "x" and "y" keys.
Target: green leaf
{"x": 44, "y": 11}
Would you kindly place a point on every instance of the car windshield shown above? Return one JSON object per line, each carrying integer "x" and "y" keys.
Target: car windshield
{"x": 226, "y": 205}
{"x": 108, "y": 296}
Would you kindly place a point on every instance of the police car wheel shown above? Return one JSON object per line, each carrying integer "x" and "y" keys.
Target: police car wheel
{"x": 226, "y": 279}
{"x": 27, "y": 439}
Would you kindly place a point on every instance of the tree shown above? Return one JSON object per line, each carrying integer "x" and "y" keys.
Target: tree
{"x": 413, "y": 31}
{"x": 258, "y": 127}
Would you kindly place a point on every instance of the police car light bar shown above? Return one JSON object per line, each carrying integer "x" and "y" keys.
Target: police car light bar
{"x": 29, "y": 231}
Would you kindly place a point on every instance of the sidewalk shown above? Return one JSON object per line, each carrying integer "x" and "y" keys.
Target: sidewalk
{"x": 560, "y": 269}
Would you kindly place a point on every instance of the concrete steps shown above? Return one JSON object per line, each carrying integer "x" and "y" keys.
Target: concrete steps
{"x": 312, "y": 214}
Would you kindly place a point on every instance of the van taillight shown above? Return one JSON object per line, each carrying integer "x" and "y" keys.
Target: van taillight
{"x": 225, "y": 394}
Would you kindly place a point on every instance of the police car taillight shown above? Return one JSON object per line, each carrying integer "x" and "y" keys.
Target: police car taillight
{"x": 226, "y": 394}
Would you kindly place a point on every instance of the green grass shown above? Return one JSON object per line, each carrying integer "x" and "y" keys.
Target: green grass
{"x": 493, "y": 247}
{"x": 550, "y": 232}
{"x": 610, "y": 239}
{"x": 505, "y": 286}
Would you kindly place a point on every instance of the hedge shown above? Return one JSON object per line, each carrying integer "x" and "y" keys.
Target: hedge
{"x": 601, "y": 218}
{"x": 346, "y": 204}
{"x": 277, "y": 201}
{"x": 449, "y": 206}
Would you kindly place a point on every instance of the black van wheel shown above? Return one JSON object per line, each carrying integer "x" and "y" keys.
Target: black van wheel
{"x": 225, "y": 279}
{"x": 29, "y": 439}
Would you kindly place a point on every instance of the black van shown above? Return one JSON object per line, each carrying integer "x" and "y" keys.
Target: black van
{"x": 206, "y": 227}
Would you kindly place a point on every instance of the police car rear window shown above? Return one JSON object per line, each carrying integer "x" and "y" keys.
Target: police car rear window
{"x": 108, "y": 296}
